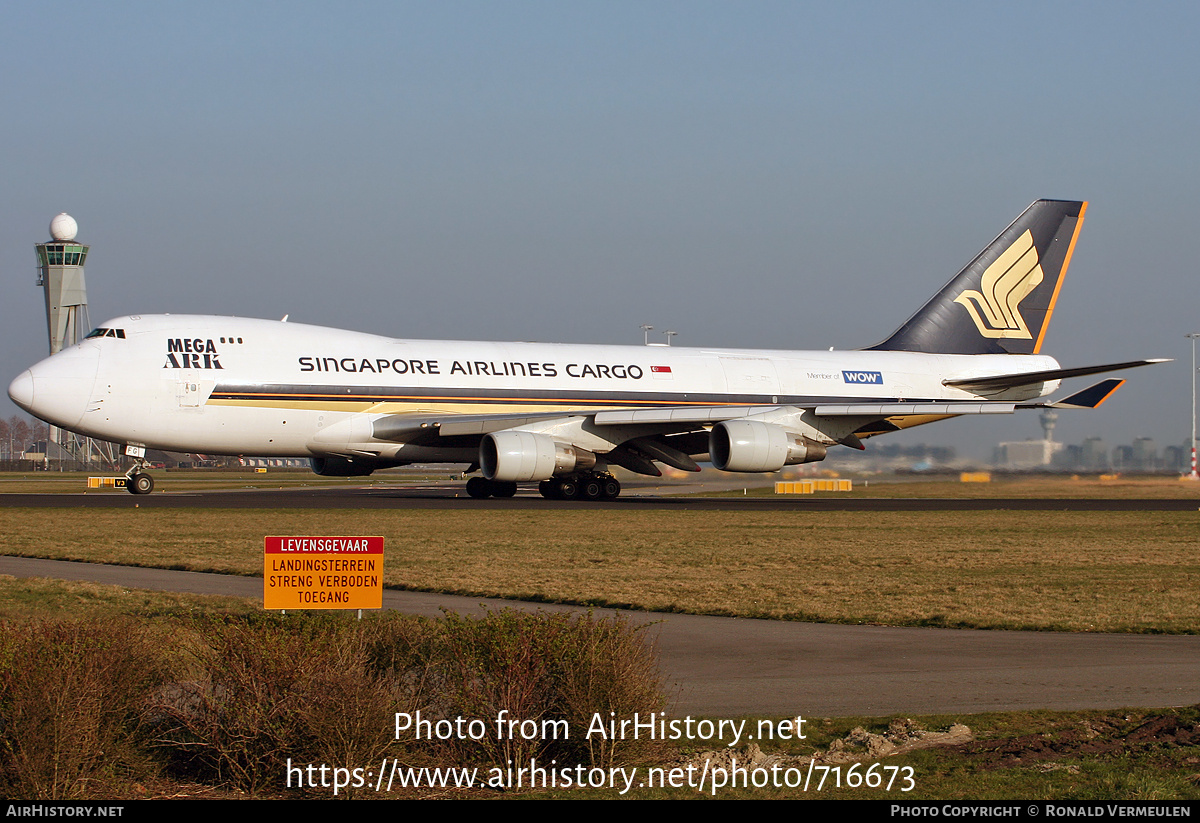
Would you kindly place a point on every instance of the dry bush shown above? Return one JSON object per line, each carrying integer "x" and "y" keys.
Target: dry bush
{"x": 545, "y": 669}
{"x": 72, "y": 700}
{"x": 275, "y": 689}
{"x": 87, "y": 706}
{"x": 611, "y": 670}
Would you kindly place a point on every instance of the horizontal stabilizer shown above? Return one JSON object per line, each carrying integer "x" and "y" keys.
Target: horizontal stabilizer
{"x": 1089, "y": 398}
{"x": 1000, "y": 382}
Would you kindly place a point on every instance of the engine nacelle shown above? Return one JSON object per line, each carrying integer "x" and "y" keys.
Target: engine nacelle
{"x": 342, "y": 466}
{"x": 517, "y": 455}
{"x": 755, "y": 446}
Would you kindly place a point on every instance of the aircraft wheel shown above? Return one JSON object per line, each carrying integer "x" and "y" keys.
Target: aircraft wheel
{"x": 140, "y": 483}
{"x": 612, "y": 488}
{"x": 480, "y": 488}
{"x": 591, "y": 489}
{"x": 503, "y": 489}
{"x": 567, "y": 489}
{"x": 548, "y": 489}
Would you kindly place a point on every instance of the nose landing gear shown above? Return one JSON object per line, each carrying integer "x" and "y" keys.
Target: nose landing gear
{"x": 138, "y": 481}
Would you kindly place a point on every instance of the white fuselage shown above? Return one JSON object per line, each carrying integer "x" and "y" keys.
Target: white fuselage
{"x": 227, "y": 385}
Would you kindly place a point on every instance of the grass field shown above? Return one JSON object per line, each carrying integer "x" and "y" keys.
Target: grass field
{"x": 1072, "y": 571}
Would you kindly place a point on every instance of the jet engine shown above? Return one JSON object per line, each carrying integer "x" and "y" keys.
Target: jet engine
{"x": 755, "y": 446}
{"x": 519, "y": 455}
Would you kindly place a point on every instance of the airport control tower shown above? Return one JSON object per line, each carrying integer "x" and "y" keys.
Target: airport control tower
{"x": 60, "y": 273}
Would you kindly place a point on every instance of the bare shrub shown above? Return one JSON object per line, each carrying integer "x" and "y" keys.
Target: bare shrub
{"x": 275, "y": 689}
{"x": 72, "y": 699}
{"x": 549, "y": 674}
{"x": 85, "y": 706}
{"x": 610, "y": 670}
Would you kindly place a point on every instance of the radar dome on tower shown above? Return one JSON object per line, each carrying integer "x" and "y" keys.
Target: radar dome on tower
{"x": 63, "y": 227}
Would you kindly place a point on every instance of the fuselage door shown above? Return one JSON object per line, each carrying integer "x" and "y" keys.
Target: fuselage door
{"x": 192, "y": 389}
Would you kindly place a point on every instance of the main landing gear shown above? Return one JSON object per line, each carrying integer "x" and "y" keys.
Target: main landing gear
{"x": 581, "y": 487}
{"x": 481, "y": 488}
{"x": 572, "y": 487}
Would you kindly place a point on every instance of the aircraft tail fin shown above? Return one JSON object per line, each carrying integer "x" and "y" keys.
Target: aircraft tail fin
{"x": 1002, "y": 301}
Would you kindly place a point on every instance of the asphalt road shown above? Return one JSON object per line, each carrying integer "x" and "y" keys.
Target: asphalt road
{"x": 442, "y": 496}
{"x": 729, "y": 667}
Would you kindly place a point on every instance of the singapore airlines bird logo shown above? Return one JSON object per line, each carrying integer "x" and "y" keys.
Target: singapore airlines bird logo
{"x": 1004, "y": 285}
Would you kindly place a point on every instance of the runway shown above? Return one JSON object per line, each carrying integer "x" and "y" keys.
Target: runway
{"x": 730, "y": 667}
{"x": 443, "y": 497}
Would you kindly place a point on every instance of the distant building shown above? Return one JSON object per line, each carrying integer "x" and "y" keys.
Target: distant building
{"x": 1145, "y": 455}
{"x": 1093, "y": 454}
{"x": 47, "y": 451}
{"x": 1177, "y": 458}
{"x": 1026, "y": 454}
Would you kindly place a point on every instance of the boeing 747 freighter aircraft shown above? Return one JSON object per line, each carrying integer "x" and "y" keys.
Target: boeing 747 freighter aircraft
{"x": 564, "y": 414}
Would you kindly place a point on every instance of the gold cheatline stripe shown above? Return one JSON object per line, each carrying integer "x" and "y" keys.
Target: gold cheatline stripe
{"x": 376, "y": 398}
{"x": 1061, "y": 277}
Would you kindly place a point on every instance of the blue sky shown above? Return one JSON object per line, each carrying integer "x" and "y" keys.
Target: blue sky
{"x": 785, "y": 175}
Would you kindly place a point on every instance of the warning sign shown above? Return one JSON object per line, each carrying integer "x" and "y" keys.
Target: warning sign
{"x": 323, "y": 573}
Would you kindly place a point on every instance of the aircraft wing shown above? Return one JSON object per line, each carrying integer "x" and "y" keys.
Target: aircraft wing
{"x": 405, "y": 427}
{"x": 674, "y": 419}
{"x": 670, "y": 433}
{"x": 1000, "y": 382}
{"x": 905, "y": 409}
{"x": 637, "y": 438}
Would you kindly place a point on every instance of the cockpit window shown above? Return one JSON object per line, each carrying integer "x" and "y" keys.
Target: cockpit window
{"x": 106, "y": 333}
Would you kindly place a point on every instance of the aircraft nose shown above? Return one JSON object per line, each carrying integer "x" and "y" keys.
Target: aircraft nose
{"x": 21, "y": 390}
{"x": 58, "y": 389}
